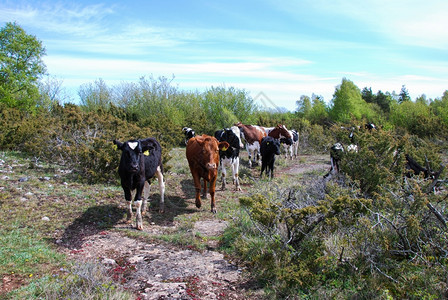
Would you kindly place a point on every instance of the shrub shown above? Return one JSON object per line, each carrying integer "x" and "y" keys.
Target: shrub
{"x": 347, "y": 237}
{"x": 77, "y": 139}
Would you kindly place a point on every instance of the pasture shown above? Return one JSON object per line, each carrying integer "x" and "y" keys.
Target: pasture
{"x": 51, "y": 223}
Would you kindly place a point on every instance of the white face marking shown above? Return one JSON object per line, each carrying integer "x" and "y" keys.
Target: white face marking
{"x": 133, "y": 145}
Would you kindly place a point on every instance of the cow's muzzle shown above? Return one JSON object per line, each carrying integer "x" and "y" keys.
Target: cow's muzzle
{"x": 211, "y": 166}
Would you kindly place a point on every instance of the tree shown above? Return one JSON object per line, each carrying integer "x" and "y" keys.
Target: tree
{"x": 303, "y": 106}
{"x": 416, "y": 117}
{"x": 368, "y": 95}
{"x": 21, "y": 66}
{"x": 422, "y": 98}
{"x": 347, "y": 103}
{"x": 404, "y": 95}
{"x": 226, "y": 106}
{"x": 384, "y": 101}
{"x": 440, "y": 108}
{"x": 95, "y": 96}
{"x": 319, "y": 112}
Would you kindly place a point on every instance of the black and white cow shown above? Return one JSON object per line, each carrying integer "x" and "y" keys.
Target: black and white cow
{"x": 336, "y": 153}
{"x": 189, "y": 133}
{"x": 269, "y": 148}
{"x": 230, "y": 156}
{"x": 370, "y": 126}
{"x": 291, "y": 149}
{"x": 140, "y": 161}
{"x": 338, "y": 150}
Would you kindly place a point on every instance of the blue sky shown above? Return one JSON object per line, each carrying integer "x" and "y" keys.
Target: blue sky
{"x": 278, "y": 49}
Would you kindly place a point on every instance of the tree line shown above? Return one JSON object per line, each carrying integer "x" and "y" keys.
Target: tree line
{"x": 157, "y": 104}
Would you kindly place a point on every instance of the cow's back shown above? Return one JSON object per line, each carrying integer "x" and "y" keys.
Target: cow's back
{"x": 153, "y": 156}
{"x": 253, "y": 133}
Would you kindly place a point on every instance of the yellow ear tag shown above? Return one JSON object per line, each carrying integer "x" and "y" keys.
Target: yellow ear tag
{"x": 146, "y": 153}
{"x": 223, "y": 149}
{"x": 115, "y": 147}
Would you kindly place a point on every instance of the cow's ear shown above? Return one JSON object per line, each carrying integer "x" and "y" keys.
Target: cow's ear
{"x": 223, "y": 146}
{"x": 199, "y": 141}
{"x": 148, "y": 146}
{"x": 118, "y": 144}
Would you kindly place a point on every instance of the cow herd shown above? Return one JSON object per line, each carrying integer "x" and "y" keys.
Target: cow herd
{"x": 141, "y": 160}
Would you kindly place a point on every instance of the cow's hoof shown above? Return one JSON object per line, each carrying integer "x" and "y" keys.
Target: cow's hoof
{"x": 198, "y": 203}
{"x": 214, "y": 210}
{"x": 139, "y": 227}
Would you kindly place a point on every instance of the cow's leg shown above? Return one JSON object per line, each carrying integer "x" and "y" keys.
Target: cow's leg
{"x": 197, "y": 187}
{"x": 138, "y": 205}
{"x": 139, "y": 219}
{"x": 223, "y": 176}
{"x": 249, "y": 152}
{"x": 204, "y": 192}
{"x": 145, "y": 196}
{"x": 271, "y": 169}
{"x": 235, "y": 168}
{"x": 212, "y": 195}
{"x": 159, "y": 175}
{"x": 128, "y": 197}
{"x": 263, "y": 166}
{"x": 333, "y": 164}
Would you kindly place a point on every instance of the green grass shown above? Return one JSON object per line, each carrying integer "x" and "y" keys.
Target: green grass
{"x": 24, "y": 253}
{"x": 35, "y": 211}
{"x": 47, "y": 274}
{"x": 88, "y": 281}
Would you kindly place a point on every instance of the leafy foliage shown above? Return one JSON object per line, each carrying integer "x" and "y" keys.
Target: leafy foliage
{"x": 347, "y": 103}
{"x": 326, "y": 239}
{"x": 80, "y": 140}
{"x": 21, "y": 66}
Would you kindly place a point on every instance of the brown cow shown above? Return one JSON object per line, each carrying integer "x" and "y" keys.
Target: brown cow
{"x": 203, "y": 159}
{"x": 252, "y": 134}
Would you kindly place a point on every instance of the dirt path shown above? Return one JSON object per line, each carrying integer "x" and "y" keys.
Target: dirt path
{"x": 157, "y": 270}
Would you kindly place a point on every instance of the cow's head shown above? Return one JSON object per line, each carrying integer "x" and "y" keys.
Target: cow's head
{"x": 131, "y": 154}
{"x": 271, "y": 145}
{"x": 210, "y": 151}
{"x": 276, "y": 146}
{"x": 284, "y": 133}
{"x": 228, "y": 135}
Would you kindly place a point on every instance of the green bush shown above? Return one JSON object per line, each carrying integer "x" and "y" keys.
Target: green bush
{"x": 347, "y": 237}
{"x": 79, "y": 140}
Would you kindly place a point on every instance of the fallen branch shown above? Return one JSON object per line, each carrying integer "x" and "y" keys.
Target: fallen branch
{"x": 438, "y": 215}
